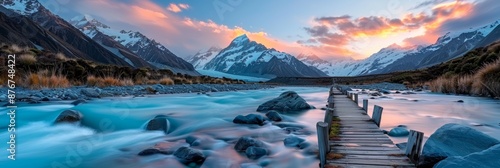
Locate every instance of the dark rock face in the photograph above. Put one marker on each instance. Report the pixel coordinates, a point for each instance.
(246, 142)
(253, 152)
(274, 116)
(454, 140)
(189, 155)
(69, 116)
(249, 119)
(159, 123)
(286, 102)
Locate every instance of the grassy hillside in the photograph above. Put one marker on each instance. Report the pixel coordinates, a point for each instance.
(42, 69)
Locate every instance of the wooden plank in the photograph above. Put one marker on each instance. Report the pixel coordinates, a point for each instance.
(361, 152)
(372, 162)
(367, 148)
(367, 144)
(375, 157)
(359, 166)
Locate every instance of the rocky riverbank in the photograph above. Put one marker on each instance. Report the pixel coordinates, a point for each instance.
(86, 93)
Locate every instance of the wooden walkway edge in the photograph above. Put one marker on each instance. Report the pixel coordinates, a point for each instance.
(359, 142)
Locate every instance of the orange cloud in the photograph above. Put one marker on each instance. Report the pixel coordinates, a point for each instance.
(177, 7)
(337, 34)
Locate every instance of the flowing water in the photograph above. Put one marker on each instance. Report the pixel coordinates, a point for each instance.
(112, 131)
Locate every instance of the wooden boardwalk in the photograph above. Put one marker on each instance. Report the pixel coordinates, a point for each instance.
(360, 143)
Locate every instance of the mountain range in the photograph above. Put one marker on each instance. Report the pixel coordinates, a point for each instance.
(396, 58)
(246, 57)
(28, 23)
(35, 26)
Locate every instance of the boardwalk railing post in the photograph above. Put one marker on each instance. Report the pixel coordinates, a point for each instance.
(414, 145)
(377, 114)
(322, 129)
(356, 98)
(365, 105)
(329, 118)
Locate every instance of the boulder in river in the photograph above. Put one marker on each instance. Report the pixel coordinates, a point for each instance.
(486, 158)
(274, 116)
(189, 155)
(253, 152)
(293, 141)
(454, 140)
(399, 132)
(245, 142)
(149, 151)
(249, 119)
(160, 122)
(286, 102)
(69, 116)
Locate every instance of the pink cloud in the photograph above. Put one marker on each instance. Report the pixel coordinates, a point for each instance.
(183, 36)
(176, 8)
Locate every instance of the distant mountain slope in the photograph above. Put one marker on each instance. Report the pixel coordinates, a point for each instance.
(200, 59)
(135, 42)
(73, 38)
(18, 29)
(245, 57)
(377, 61)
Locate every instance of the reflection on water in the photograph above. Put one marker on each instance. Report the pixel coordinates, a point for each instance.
(112, 134)
(426, 112)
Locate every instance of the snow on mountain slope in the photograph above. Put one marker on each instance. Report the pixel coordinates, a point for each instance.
(246, 57)
(347, 67)
(23, 7)
(200, 59)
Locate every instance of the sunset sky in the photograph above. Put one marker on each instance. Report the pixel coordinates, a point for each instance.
(328, 28)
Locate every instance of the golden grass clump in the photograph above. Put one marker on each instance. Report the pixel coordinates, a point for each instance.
(44, 79)
(26, 59)
(332, 156)
(15, 48)
(108, 81)
(487, 80)
(61, 57)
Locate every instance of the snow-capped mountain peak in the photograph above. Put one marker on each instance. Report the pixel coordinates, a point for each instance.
(23, 7)
(240, 40)
(246, 57)
(87, 21)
